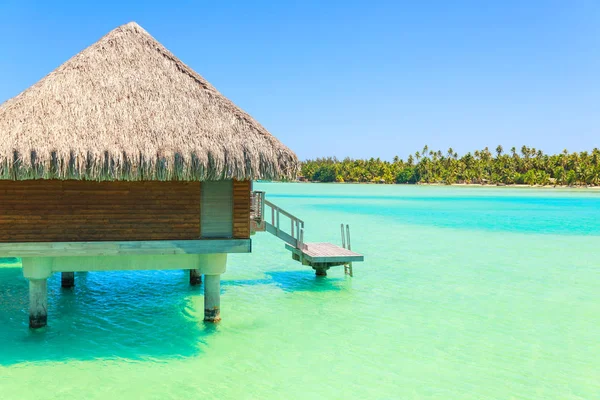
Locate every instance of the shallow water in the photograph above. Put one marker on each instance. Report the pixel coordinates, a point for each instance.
(466, 293)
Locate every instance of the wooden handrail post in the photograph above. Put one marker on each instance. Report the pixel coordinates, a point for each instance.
(262, 205)
(348, 236)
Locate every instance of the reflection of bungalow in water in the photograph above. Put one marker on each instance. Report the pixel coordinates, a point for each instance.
(124, 158)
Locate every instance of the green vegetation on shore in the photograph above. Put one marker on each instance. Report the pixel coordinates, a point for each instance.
(527, 166)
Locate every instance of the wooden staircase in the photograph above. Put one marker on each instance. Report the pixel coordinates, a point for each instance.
(320, 256)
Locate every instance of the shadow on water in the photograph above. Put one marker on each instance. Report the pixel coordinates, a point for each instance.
(292, 281)
(304, 281)
(107, 315)
(113, 315)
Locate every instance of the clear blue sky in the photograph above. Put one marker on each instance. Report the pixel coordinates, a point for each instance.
(356, 78)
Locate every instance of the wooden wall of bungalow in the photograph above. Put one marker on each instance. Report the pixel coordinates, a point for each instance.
(75, 211)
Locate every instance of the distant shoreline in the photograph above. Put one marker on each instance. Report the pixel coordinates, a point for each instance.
(489, 185)
(529, 167)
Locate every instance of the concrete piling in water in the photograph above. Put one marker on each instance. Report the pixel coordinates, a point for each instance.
(212, 298)
(321, 271)
(67, 279)
(195, 277)
(38, 303)
(37, 270)
(213, 265)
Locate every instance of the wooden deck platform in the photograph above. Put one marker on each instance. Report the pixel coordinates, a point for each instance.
(324, 255)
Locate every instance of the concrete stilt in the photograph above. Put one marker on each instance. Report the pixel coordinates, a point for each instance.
(38, 303)
(212, 298)
(67, 279)
(320, 271)
(195, 277)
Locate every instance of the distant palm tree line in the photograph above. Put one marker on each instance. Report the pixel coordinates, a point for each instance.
(527, 166)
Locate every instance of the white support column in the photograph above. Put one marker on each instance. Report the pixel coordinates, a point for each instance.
(37, 270)
(38, 303)
(195, 277)
(67, 279)
(212, 265)
(212, 298)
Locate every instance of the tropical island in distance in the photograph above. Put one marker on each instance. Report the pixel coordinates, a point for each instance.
(529, 166)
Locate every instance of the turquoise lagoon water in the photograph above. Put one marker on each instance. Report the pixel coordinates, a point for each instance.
(466, 293)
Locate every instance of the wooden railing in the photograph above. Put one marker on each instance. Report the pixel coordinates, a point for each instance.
(266, 216)
(278, 226)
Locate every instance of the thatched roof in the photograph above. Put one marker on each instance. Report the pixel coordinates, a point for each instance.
(126, 108)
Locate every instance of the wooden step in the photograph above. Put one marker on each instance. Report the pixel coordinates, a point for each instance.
(324, 253)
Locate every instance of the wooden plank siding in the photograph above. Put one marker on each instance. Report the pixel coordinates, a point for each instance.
(76, 211)
(241, 209)
(80, 211)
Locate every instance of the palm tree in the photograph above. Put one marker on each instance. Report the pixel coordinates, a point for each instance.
(434, 166)
(499, 150)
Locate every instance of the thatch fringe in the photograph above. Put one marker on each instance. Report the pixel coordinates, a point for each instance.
(106, 167)
(127, 109)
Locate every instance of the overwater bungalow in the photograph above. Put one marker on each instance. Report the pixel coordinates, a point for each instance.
(124, 158)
